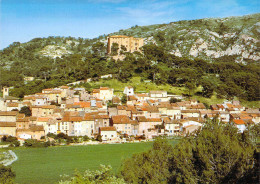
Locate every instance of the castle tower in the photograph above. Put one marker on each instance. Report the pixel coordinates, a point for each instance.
(5, 92)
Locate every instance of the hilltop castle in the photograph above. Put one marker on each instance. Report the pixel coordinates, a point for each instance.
(130, 43)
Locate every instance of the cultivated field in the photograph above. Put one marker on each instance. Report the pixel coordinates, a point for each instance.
(45, 165)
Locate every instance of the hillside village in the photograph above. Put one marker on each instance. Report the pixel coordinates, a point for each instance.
(75, 112)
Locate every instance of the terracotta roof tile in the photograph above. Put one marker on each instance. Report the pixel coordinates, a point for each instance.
(239, 121)
(104, 88)
(26, 119)
(108, 128)
(95, 91)
(120, 119)
(48, 106)
(12, 104)
(154, 119)
(83, 104)
(9, 113)
(7, 124)
(43, 119)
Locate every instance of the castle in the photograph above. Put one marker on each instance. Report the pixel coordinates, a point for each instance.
(130, 43)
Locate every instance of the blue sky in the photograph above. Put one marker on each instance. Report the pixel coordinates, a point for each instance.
(23, 20)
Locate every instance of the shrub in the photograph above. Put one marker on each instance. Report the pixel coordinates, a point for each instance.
(35, 144)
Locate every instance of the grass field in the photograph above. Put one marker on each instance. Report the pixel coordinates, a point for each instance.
(45, 165)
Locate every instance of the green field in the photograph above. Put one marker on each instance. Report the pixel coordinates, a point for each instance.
(45, 165)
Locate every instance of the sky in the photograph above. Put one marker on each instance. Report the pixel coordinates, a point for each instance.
(23, 20)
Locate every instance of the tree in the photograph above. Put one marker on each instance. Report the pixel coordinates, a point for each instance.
(174, 100)
(214, 154)
(208, 88)
(99, 138)
(104, 175)
(190, 86)
(160, 36)
(98, 49)
(7, 175)
(26, 110)
(149, 167)
(124, 99)
(114, 49)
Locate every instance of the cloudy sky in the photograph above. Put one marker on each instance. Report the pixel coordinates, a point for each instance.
(23, 20)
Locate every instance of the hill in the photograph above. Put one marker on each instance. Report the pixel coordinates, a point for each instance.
(220, 56)
(206, 38)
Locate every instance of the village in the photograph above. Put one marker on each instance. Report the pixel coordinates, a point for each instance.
(75, 112)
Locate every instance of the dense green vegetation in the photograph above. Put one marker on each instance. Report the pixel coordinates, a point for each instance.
(45, 165)
(7, 175)
(86, 58)
(228, 79)
(215, 154)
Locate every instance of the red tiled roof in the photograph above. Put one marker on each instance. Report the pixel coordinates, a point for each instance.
(132, 97)
(141, 118)
(26, 119)
(7, 124)
(83, 104)
(104, 88)
(220, 106)
(12, 104)
(101, 117)
(230, 105)
(64, 87)
(48, 106)
(33, 118)
(142, 95)
(95, 91)
(99, 104)
(120, 119)
(43, 119)
(239, 121)
(108, 128)
(21, 115)
(154, 119)
(71, 118)
(116, 100)
(9, 113)
(190, 111)
(121, 107)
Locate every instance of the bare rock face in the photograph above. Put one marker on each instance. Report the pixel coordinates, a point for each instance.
(176, 52)
(54, 51)
(244, 46)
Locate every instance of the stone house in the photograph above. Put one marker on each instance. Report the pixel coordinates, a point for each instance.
(108, 133)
